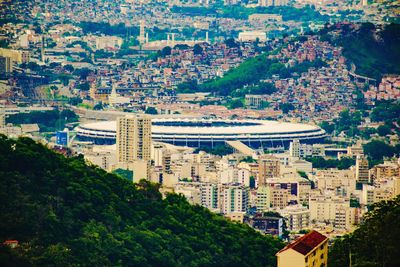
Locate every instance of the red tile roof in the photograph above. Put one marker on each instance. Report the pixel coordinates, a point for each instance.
(306, 243)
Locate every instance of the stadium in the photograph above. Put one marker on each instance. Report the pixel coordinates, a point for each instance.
(211, 132)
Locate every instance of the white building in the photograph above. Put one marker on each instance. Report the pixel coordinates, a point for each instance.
(323, 208)
(234, 198)
(251, 36)
(297, 217)
(104, 42)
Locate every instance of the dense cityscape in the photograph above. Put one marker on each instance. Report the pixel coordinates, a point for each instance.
(199, 132)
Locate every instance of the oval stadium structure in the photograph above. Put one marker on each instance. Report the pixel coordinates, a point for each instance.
(206, 132)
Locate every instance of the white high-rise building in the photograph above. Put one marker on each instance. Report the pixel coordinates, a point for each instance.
(234, 198)
(209, 196)
(263, 201)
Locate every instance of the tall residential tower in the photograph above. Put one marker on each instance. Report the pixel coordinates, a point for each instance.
(133, 138)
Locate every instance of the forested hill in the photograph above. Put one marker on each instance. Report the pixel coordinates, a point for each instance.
(66, 213)
(376, 243)
(374, 51)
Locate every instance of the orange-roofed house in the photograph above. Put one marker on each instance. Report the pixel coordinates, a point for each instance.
(310, 250)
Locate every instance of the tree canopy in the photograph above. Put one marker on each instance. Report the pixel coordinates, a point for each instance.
(375, 243)
(66, 213)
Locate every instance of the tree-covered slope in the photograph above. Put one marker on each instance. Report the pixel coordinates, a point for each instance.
(374, 51)
(376, 243)
(66, 213)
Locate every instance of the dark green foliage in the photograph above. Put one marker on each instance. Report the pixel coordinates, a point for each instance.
(151, 110)
(103, 54)
(75, 101)
(307, 13)
(66, 213)
(235, 103)
(384, 130)
(286, 107)
(84, 86)
(374, 243)
(248, 159)
(250, 72)
(82, 73)
(69, 68)
(328, 127)
(303, 174)
(98, 106)
(166, 51)
(197, 49)
(342, 164)
(348, 122)
(374, 52)
(220, 150)
(376, 150)
(187, 87)
(107, 29)
(367, 132)
(386, 112)
(49, 121)
(259, 89)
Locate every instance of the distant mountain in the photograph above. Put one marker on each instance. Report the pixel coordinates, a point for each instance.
(374, 51)
(63, 212)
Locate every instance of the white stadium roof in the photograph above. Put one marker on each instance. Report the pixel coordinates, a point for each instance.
(261, 127)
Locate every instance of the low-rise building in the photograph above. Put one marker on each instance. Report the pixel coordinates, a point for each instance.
(309, 250)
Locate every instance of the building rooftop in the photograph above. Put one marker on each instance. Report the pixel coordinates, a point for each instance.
(306, 243)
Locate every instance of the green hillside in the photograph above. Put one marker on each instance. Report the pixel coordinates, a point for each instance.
(374, 51)
(66, 213)
(249, 73)
(375, 243)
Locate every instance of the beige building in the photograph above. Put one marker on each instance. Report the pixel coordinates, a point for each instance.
(309, 250)
(268, 167)
(6, 65)
(362, 170)
(263, 198)
(323, 208)
(133, 138)
(297, 217)
(333, 179)
(388, 169)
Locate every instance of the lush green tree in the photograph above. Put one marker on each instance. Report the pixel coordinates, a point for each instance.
(374, 51)
(328, 127)
(286, 107)
(84, 86)
(384, 130)
(151, 110)
(376, 150)
(321, 163)
(386, 112)
(98, 106)
(66, 213)
(235, 103)
(219, 150)
(69, 68)
(374, 243)
(48, 120)
(166, 51)
(197, 49)
(74, 101)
